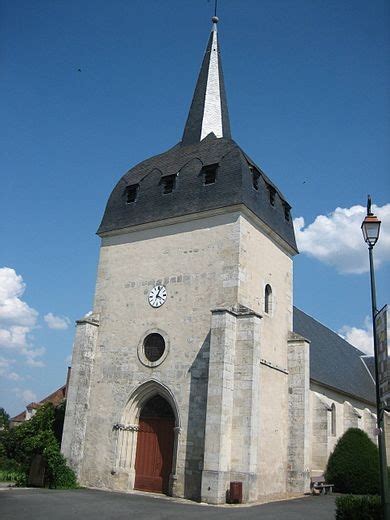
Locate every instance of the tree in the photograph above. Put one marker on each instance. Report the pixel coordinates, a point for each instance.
(353, 467)
(4, 419)
(37, 437)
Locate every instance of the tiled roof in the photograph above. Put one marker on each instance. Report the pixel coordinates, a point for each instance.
(32, 406)
(55, 398)
(21, 417)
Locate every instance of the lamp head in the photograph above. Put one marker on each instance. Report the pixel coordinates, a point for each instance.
(370, 226)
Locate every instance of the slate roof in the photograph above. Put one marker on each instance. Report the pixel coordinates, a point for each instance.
(234, 176)
(369, 361)
(333, 361)
(233, 186)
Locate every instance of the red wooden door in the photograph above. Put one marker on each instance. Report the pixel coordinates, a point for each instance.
(153, 461)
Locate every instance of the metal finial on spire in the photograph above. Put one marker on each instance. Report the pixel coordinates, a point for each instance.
(215, 18)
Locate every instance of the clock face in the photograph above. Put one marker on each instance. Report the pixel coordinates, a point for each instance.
(157, 296)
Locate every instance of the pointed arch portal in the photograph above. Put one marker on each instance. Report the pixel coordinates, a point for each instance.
(154, 454)
(147, 439)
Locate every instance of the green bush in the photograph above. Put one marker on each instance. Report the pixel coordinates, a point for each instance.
(10, 470)
(37, 436)
(59, 475)
(353, 507)
(7, 475)
(353, 467)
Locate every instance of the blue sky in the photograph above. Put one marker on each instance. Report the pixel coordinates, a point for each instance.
(90, 88)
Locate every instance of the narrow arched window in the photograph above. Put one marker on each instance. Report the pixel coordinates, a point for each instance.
(333, 419)
(268, 299)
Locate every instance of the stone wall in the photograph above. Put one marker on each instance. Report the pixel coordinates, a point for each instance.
(218, 262)
(262, 262)
(198, 264)
(299, 414)
(233, 405)
(79, 389)
(349, 413)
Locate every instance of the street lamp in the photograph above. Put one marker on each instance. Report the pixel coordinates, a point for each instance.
(370, 229)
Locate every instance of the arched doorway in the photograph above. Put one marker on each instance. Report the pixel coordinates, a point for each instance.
(155, 440)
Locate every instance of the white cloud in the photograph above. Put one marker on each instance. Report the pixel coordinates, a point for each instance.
(336, 239)
(13, 376)
(14, 336)
(28, 396)
(31, 355)
(11, 284)
(56, 322)
(359, 338)
(12, 308)
(5, 363)
(17, 318)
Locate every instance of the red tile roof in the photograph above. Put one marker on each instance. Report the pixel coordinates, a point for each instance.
(55, 398)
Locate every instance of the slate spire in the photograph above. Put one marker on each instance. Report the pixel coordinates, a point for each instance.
(208, 112)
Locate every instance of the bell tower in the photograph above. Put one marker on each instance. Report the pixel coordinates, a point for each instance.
(184, 357)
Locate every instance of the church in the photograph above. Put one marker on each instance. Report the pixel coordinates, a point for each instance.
(194, 369)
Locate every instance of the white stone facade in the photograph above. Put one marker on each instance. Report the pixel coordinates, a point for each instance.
(331, 414)
(236, 377)
(225, 362)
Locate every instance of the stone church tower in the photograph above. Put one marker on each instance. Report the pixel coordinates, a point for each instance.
(180, 376)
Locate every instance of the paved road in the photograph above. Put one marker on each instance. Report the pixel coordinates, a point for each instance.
(86, 504)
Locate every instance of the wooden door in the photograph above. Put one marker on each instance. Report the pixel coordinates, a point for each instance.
(153, 461)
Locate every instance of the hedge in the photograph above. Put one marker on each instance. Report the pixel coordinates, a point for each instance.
(353, 467)
(354, 507)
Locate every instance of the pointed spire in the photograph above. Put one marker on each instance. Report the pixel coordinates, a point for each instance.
(208, 112)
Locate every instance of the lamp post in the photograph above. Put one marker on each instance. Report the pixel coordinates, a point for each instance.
(370, 228)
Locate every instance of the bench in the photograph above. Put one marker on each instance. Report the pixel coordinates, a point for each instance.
(318, 486)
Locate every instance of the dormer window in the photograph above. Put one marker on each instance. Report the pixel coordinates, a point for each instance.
(131, 193)
(168, 182)
(287, 208)
(272, 193)
(210, 173)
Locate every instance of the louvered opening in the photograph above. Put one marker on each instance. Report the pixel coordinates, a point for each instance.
(131, 193)
(168, 183)
(272, 194)
(209, 173)
(287, 208)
